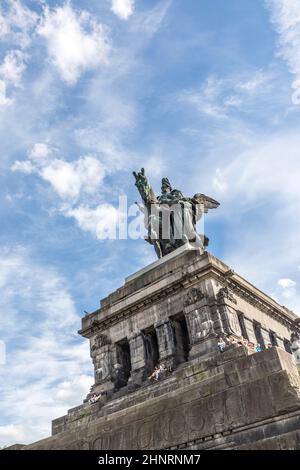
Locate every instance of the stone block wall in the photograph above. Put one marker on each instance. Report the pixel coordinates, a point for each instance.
(237, 401)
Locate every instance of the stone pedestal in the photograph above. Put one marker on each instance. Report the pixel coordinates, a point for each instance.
(208, 399)
(230, 401)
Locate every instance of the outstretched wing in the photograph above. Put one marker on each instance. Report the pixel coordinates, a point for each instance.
(206, 201)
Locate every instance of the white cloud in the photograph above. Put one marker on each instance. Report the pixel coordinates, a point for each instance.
(288, 289)
(219, 182)
(101, 221)
(12, 433)
(13, 66)
(68, 179)
(123, 8)
(286, 283)
(4, 27)
(39, 153)
(76, 42)
(72, 181)
(69, 390)
(155, 166)
(258, 81)
(11, 71)
(4, 100)
(47, 365)
(23, 166)
(17, 23)
(285, 15)
(207, 101)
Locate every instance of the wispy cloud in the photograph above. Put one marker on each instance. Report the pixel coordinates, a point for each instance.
(285, 16)
(4, 100)
(11, 71)
(206, 101)
(150, 21)
(260, 201)
(17, 23)
(12, 67)
(217, 98)
(46, 371)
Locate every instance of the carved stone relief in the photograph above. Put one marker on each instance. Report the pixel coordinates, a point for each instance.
(193, 295)
(233, 321)
(295, 347)
(99, 341)
(102, 366)
(200, 323)
(226, 294)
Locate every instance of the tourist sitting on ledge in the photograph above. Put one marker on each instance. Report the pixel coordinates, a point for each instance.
(94, 398)
(221, 344)
(231, 340)
(158, 372)
(242, 341)
(258, 348)
(154, 374)
(162, 369)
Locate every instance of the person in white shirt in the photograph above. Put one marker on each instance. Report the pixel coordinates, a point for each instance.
(221, 344)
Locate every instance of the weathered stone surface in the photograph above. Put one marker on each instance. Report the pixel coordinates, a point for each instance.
(202, 410)
(174, 313)
(15, 447)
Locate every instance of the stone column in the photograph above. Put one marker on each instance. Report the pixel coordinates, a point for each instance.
(250, 330)
(137, 355)
(166, 343)
(280, 342)
(266, 337)
(200, 324)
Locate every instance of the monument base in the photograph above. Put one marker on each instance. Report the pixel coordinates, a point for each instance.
(173, 313)
(230, 401)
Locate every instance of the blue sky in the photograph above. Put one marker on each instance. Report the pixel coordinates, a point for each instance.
(205, 92)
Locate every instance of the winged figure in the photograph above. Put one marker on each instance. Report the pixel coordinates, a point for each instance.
(171, 218)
